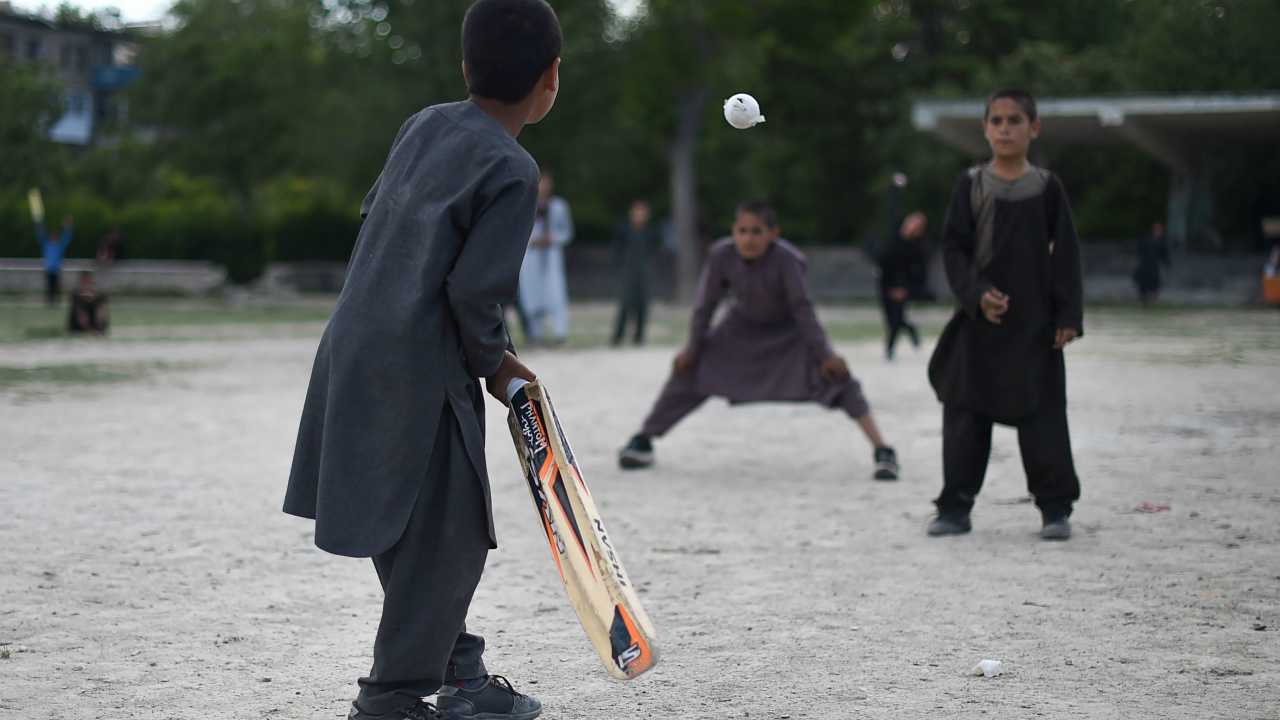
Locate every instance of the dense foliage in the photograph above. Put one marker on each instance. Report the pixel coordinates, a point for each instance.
(266, 120)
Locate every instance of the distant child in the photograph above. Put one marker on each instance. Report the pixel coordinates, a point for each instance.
(902, 273)
(769, 347)
(1153, 252)
(635, 242)
(390, 454)
(53, 251)
(89, 309)
(1013, 262)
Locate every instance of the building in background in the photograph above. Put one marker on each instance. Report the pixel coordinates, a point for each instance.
(92, 64)
(1172, 129)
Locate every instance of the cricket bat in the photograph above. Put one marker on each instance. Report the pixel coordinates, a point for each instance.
(599, 589)
(37, 205)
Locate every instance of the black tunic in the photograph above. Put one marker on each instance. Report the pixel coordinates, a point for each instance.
(1008, 371)
(633, 252)
(1152, 253)
(902, 265)
(418, 321)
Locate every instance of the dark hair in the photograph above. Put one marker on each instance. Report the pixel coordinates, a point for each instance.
(761, 209)
(1022, 97)
(507, 45)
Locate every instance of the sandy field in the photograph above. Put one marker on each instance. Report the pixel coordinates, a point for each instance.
(146, 570)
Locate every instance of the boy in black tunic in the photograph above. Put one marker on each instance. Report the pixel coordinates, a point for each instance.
(390, 452)
(1013, 262)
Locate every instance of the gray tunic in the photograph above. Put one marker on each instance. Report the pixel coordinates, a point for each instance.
(769, 345)
(418, 321)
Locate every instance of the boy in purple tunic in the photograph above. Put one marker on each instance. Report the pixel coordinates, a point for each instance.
(768, 348)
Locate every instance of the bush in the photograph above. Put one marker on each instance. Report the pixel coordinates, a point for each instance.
(308, 219)
(92, 218)
(190, 218)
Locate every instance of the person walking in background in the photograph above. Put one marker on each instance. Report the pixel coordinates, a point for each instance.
(544, 294)
(634, 243)
(1153, 252)
(902, 270)
(53, 251)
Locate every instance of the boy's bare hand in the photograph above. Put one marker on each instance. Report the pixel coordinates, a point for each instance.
(898, 294)
(1063, 337)
(994, 305)
(834, 368)
(683, 362)
(510, 369)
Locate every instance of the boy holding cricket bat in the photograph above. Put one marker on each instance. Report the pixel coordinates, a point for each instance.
(1013, 262)
(53, 251)
(769, 347)
(390, 453)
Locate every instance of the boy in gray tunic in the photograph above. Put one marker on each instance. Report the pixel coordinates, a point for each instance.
(390, 453)
(769, 347)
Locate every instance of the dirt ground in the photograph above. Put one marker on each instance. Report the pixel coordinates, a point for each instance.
(146, 570)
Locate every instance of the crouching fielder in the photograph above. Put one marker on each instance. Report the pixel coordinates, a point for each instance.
(769, 347)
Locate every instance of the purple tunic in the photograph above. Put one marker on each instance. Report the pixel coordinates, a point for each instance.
(769, 345)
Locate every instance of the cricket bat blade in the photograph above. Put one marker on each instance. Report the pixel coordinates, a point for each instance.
(598, 586)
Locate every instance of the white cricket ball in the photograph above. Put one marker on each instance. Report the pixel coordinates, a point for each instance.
(742, 111)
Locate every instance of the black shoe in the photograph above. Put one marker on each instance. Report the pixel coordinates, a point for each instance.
(637, 454)
(495, 700)
(419, 710)
(949, 524)
(1058, 528)
(886, 464)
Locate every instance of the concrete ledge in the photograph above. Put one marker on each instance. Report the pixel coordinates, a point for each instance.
(303, 277)
(144, 277)
(846, 274)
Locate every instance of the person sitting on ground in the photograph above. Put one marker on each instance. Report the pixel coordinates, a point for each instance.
(89, 312)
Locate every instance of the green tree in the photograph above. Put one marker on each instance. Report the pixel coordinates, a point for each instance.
(230, 87)
(31, 102)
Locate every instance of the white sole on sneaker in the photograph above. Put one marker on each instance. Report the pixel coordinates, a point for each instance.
(635, 459)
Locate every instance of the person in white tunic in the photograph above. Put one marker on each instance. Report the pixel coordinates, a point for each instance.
(544, 294)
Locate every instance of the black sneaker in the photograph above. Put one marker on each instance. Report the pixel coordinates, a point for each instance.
(419, 710)
(1058, 528)
(637, 454)
(949, 524)
(495, 700)
(886, 464)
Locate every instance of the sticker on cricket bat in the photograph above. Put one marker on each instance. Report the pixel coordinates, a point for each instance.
(598, 587)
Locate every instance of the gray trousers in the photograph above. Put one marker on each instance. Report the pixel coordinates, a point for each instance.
(681, 396)
(428, 578)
